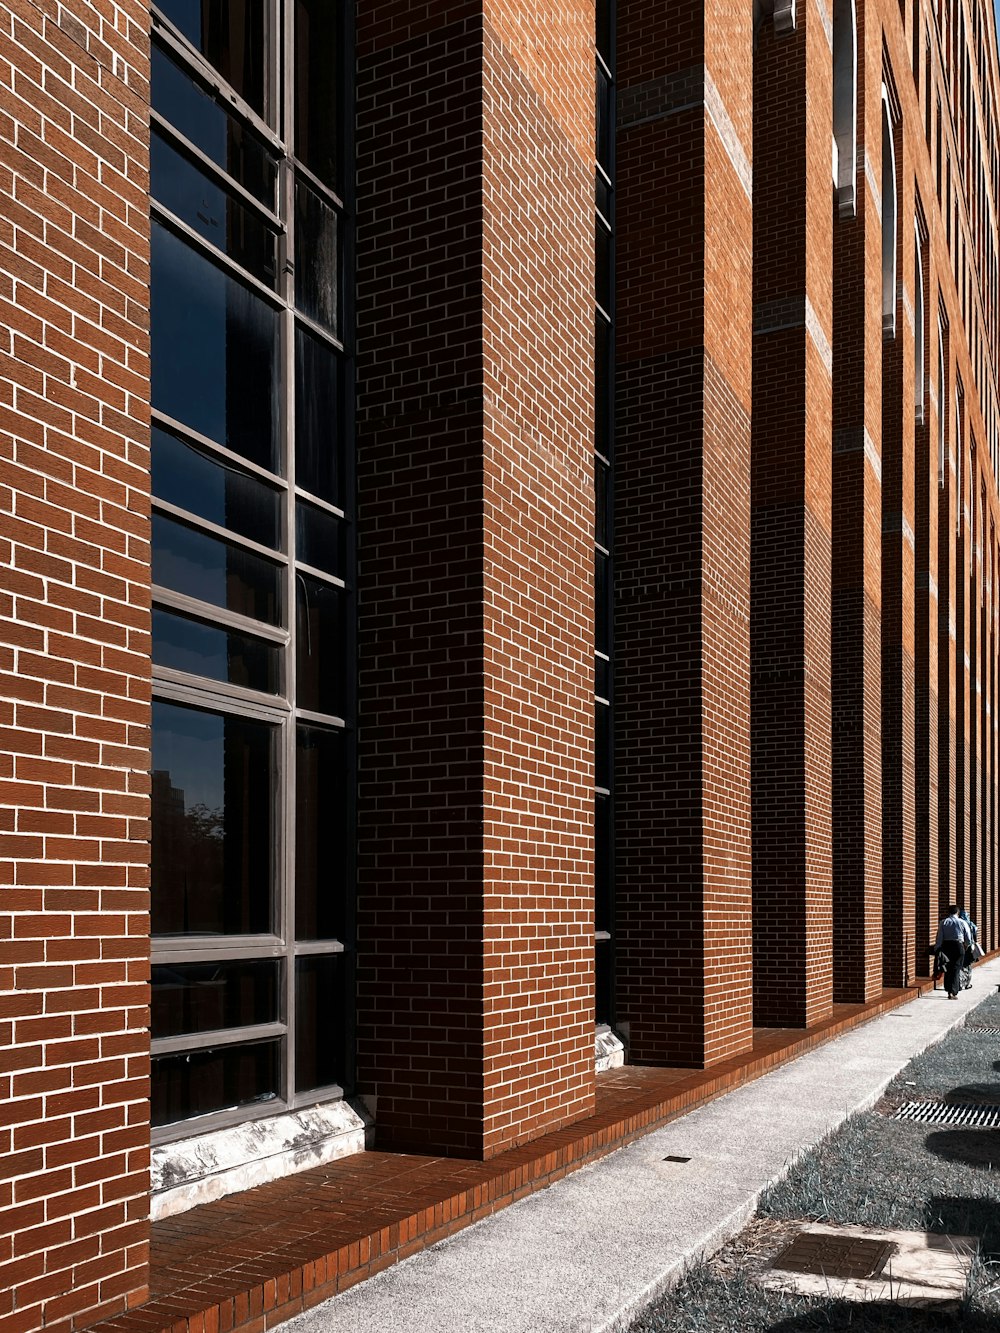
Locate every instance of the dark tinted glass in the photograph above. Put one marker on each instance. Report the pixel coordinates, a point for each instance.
(317, 417)
(317, 88)
(602, 265)
(603, 33)
(198, 1082)
(604, 118)
(602, 748)
(190, 479)
(216, 653)
(213, 800)
(602, 677)
(320, 1022)
(219, 134)
(320, 647)
(603, 886)
(194, 196)
(601, 503)
(319, 539)
(320, 835)
(602, 195)
(214, 351)
(602, 607)
(317, 264)
(603, 386)
(604, 959)
(204, 997)
(214, 571)
(230, 35)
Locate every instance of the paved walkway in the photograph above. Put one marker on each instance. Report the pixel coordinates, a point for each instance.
(595, 1248)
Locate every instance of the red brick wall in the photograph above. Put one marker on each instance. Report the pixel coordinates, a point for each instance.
(682, 532)
(791, 494)
(74, 652)
(475, 919)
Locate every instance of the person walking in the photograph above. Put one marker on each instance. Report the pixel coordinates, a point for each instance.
(953, 938)
(970, 953)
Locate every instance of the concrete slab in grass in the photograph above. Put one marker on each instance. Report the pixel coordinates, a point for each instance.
(922, 1269)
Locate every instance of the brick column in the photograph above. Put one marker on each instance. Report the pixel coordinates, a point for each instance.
(898, 555)
(682, 479)
(857, 511)
(947, 679)
(791, 523)
(963, 558)
(926, 601)
(475, 276)
(74, 664)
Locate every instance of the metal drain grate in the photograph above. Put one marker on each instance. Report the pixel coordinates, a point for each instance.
(942, 1113)
(835, 1256)
(981, 1027)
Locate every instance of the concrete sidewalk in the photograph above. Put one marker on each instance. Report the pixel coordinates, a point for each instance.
(590, 1252)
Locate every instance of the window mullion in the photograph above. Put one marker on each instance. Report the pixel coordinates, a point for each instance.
(286, 89)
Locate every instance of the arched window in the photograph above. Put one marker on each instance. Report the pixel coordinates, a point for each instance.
(888, 220)
(919, 389)
(942, 406)
(845, 105)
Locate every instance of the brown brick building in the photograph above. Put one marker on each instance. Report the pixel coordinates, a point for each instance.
(437, 618)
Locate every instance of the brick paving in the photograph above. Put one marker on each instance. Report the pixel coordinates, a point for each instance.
(249, 1261)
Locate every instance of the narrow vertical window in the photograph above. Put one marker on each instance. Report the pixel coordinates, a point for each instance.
(919, 388)
(942, 410)
(604, 410)
(888, 220)
(253, 560)
(845, 104)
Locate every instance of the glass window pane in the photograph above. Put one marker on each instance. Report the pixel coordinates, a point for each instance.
(320, 648)
(602, 677)
(317, 265)
(603, 387)
(211, 489)
(320, 835)
(602, 604)
(214, 797)
(604, 118)
(602, 760)
(198, 199)
(317, 88)
(319, 539)
(215, 571)
(205, 997)
(602, 195)
(198, 1082)
(230, 35)
(317, 417)
(320, 1022)
(216, 653)
(604, 27)
(221, 136)
(214, 351)
(602, 265)
(601, 503)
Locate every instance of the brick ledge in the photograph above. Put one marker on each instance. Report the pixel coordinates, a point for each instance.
(250, 1261)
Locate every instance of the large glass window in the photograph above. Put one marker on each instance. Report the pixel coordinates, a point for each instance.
(253, 560)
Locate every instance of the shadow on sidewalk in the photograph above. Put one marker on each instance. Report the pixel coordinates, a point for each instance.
(882, 1317)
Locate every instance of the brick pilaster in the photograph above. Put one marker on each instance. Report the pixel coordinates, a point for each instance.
(475, 407)
(857, 509)
(682, 530)
(791, 523)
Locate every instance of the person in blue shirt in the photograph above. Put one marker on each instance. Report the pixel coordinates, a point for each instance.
(953, 938)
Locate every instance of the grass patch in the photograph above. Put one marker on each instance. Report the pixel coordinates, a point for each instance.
(872, 1171)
